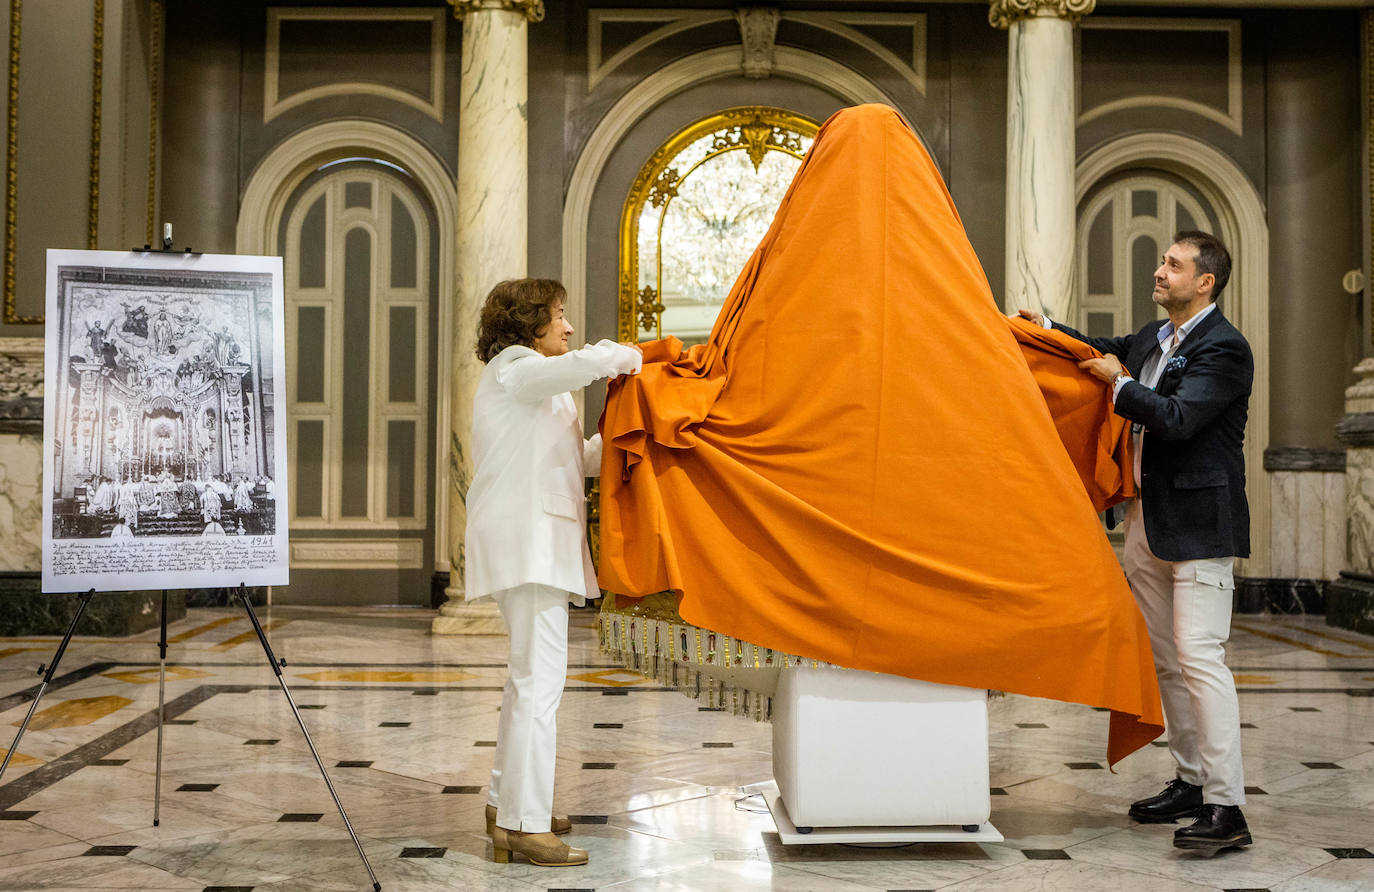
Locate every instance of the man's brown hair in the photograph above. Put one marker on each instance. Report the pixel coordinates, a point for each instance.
(516, 312)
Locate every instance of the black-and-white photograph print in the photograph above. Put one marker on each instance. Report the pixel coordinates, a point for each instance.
(160, 417)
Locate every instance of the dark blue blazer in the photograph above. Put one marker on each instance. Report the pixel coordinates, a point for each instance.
(1192, 471)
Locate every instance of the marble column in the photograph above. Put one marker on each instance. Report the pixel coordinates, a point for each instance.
(1040, 151)
(493, 236)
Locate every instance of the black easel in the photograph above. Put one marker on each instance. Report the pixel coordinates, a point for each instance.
(162, 663)
(276, 664)
(276, 668)
(47, 678)
(166, 245)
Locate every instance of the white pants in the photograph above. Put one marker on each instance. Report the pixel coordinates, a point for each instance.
(1187, 608)
(527, 739)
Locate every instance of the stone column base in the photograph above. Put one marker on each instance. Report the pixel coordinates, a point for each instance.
(459, 617)
(1350, 603)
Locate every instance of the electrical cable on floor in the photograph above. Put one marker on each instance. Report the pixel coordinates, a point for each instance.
(740, 806)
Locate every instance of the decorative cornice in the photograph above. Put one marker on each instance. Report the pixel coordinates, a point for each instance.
(758, 27)
(1304, 458)
(533, 9)
(1002, 13)
(1356, 430)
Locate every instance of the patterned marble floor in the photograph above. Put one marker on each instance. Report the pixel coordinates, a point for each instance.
(659, 788)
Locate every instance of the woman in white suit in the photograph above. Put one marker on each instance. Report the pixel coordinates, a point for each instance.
(526, 542)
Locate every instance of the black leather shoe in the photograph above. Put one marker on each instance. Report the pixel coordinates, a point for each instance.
(1180, 799)
(1218, 827)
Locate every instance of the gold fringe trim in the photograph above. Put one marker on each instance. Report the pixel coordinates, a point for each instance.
(683, 656)
(718, 671)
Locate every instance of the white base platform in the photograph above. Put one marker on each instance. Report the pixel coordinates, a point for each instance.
(790, 836)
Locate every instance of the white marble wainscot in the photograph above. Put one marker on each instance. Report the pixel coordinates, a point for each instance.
(1040, 151)
(1307, 532)
(1359, 506)
(21, 453)
(493, 235)
(21, 501)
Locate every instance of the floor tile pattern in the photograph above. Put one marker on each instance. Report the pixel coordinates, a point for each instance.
(661, 791)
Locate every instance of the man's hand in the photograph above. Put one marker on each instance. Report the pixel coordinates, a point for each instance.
(1033, 316)
(1104, 367)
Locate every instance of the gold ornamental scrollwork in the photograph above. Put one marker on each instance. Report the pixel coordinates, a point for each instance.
(664, 188)
(1002, 13)
(755, 130)
(648, 308)
(532, 9)
(12, 169)
(97, 97)
(155, 37)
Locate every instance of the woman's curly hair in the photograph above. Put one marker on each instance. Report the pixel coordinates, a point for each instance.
(516, 312)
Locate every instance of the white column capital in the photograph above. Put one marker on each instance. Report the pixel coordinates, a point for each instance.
(531, 9)
(1002, 13)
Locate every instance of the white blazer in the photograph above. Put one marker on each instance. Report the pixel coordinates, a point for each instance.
(527, 514)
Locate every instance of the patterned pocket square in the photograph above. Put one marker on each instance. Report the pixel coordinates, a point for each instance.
(1177, 362)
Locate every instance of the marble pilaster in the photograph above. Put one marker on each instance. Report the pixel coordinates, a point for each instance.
(1350, 598)
(1040, 151)
(493, 233)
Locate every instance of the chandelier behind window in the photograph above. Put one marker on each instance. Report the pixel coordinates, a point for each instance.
(695, 213)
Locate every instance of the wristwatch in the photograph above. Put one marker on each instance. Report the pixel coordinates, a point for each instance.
(1117, 377)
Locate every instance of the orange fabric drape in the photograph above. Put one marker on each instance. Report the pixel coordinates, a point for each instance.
(1097, 439)
(858, 465)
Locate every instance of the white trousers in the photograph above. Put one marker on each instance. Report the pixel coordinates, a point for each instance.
(1187, 608)
(527, 738)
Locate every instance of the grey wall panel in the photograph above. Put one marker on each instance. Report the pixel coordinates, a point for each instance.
(929, 112)
(549, 84)
(317, 53)
(977, 171)
(52, 198)
(260, 137)
(201, 124)
(1314, 196)
(1246, 149)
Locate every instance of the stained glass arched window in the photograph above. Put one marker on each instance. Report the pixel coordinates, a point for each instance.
(696, 212)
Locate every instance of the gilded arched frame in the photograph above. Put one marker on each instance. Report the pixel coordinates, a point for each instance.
(755, 130)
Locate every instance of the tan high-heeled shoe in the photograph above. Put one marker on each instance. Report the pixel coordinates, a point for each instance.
(542, 849)
(559, 825)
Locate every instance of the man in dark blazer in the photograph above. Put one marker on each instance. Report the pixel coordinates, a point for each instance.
(1185, 383)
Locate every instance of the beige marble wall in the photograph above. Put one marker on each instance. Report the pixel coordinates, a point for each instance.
(21, 453)
(1307, 523)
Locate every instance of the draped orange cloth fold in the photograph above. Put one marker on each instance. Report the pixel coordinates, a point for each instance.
(858, 466)
(1097, 439)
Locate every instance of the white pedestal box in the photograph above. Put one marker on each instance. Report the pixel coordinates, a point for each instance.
(883, 757)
